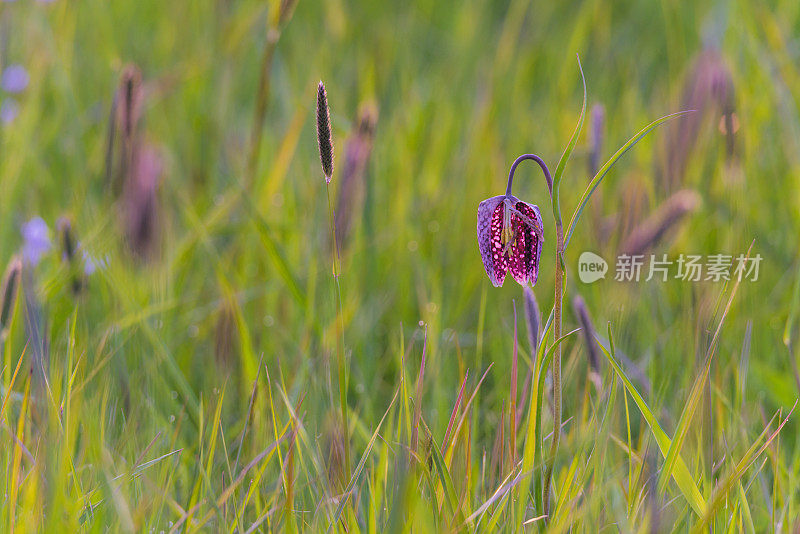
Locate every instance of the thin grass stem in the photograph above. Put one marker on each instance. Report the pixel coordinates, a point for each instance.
(340, 354)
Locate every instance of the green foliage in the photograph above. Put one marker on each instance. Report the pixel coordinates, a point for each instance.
(196, 387)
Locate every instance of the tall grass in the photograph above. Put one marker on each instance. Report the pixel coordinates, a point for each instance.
(198, 390)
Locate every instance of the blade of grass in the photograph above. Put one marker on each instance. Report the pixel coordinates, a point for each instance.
(680, 473)
(499, 493)
(275, 253)
(694, 398)
(266, 454)
(629, 451)
(17, 458)
(512, 413)
(724, 487)
(562, 162)
(445, 441)
(607, 167)
(360, 467)
(446, 480)
(533, 434)
(569, 482)
(204, 470)
(249, 414)
(257, 478)
(449, 450)
(418, 396)
(10, 387)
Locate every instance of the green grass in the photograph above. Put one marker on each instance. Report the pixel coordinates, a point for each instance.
(198, 390)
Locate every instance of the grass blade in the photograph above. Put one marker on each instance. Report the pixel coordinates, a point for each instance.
(680, 473)
(721, 492)
(446, 480)
(449, 450)
(694, 398)
(360, 467)
(607, 167)
(460, 398)
(418, 397)
(562, 162)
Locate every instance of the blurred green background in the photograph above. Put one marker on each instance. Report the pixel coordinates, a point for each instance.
(238, 268)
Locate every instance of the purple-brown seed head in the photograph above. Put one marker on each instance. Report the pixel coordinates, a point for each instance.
(324, 133)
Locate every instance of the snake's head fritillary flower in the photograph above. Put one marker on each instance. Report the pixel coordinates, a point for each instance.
(510, 233)
(510, 239)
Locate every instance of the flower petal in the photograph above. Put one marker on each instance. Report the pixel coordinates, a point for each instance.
(490, 226)
(525, 252)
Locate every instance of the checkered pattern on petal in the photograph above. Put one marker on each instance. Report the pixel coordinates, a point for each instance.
(490, 228)
(521, 256)
(525, 251)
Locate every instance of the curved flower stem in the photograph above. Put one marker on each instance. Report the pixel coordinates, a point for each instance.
(541, 163)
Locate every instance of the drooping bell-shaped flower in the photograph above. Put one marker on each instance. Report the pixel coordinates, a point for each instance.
(510, 235)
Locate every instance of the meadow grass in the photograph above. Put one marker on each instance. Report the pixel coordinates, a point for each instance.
(191, 381)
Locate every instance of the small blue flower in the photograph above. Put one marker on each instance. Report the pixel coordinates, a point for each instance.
(15, 79)
(36, 240)
(90, 263)
(89, 266)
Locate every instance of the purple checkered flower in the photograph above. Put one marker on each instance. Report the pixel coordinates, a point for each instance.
(510, 234)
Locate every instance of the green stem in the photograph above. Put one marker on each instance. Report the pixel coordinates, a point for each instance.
(340, 355)
(559, 290)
